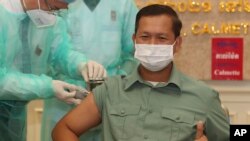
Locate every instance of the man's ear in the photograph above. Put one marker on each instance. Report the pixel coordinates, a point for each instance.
(133, 38)
(177, 45)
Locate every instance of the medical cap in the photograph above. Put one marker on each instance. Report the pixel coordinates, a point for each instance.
(67, 1)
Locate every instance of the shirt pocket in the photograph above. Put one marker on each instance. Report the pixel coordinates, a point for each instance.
(179, 126)
(123, 119)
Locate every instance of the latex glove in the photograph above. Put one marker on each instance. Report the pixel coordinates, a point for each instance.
(92, 71)
(200, 132)
(81, 93)
(65, 92)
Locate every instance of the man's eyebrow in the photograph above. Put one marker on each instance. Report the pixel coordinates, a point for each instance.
(144, 32)
(162, 34)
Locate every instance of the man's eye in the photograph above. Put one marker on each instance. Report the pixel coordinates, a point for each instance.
(163, 38)
(144, 37)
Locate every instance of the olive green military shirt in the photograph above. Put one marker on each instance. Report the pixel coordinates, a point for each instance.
(135, 110)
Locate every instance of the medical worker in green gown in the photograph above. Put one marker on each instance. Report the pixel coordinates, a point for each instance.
(32, 41)
(102, 30)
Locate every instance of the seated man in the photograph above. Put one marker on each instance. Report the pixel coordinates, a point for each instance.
(156, 102)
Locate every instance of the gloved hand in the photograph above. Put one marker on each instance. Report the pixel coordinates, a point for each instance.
(81, 93)
(92, 71)
(65, 92)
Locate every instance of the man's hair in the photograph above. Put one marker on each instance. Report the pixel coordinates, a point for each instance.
(156, 10)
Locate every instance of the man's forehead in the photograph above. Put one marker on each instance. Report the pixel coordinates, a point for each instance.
(161, 16)
(157, 21)
(155, 25)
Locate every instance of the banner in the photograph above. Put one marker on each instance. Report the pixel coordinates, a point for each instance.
(227, 59)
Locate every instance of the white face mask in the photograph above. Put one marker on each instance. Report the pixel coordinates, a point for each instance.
(40, 17)
(154, 57)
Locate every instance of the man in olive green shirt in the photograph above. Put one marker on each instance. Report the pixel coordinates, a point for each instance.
(156, 102)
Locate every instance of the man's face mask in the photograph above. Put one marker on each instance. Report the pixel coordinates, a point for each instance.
(41, 18)
(154, 57)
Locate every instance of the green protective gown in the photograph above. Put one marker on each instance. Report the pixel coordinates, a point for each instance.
(104, 34)
(26, 56)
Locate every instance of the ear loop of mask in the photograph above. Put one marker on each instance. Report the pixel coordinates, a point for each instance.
(174, 43)
(39, 6)
(38, 2)
(24, 5)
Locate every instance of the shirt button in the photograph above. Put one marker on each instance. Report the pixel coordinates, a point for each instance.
(150, 111)
(178, 118)
(122, 111)
(145, 137)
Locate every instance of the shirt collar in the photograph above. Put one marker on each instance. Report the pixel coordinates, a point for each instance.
(175, 79)
(132, 78)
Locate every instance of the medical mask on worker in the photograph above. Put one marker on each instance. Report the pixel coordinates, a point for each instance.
(40, 17)
(154, 57)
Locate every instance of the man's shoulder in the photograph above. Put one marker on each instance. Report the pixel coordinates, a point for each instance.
(197, 85)
(114, 79)
(114, 82)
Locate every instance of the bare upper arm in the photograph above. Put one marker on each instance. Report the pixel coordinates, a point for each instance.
(85, 116)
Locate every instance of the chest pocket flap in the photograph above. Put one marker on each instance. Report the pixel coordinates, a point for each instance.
(125, 110)
(177, 117)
